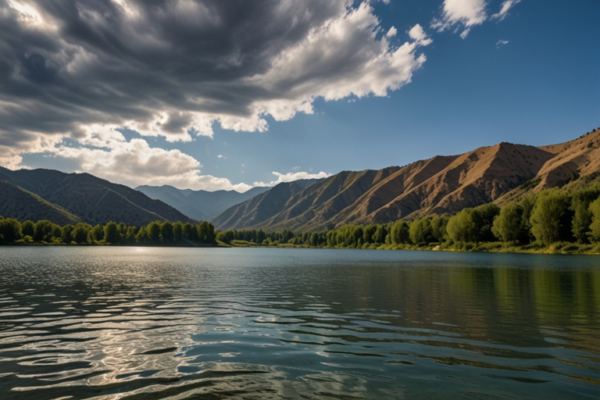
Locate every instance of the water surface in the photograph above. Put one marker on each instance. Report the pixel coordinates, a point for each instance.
(138, 323)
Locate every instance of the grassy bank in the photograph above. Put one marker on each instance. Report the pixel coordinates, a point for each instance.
(488, 247)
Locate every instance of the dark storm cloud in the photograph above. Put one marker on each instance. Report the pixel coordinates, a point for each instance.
(166, 67)
(167, 54)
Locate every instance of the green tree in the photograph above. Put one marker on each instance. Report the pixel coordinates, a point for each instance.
(96, 234)
(28, 228)
(80, 233)
(508, 225)
(400, 233)
(177, 232)
(111, 233)
(166, 232)
(582, 216)
(153, 232)
(438, 228)
(42, 229)
(420, 231)
(595, 225)
(547, 219)
(380, 234)
(10, 230)
(483, 217)
(141, 237)
(67, 234)
(462, 228)
(368, 233)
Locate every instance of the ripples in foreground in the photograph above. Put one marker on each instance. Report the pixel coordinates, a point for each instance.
(150, 323)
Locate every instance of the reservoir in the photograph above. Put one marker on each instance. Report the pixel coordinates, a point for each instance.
(259, 323)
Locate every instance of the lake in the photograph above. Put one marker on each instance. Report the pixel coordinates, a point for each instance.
(150, 323)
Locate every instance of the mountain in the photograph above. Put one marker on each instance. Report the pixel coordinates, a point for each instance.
(60, 197)
(200, 204)
(442, 184)
(261, 207)
(22, 205)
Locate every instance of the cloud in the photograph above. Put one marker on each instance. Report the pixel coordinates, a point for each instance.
(108, 154)
(173, 68)
(419, 36)
(504, 8)
(292, 176)
(501, 43)
(465, 14)
(392, 32)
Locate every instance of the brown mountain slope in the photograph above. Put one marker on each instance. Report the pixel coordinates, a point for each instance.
(435, 186)
(94, 200)
(18, 203)
(575, 163)
(260, 208)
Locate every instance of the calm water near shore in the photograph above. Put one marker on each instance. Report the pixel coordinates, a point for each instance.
(137, 323)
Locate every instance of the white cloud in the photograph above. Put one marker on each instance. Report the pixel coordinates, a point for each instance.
(292, 176)
(465, 13)
(220, 156)
(340, 59)
(419, 36)
(392, 32)
(501, 43)
(504, 8)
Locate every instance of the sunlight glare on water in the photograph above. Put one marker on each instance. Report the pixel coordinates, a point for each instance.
(134, 323)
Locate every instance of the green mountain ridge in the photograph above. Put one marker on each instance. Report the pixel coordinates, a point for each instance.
(83, 197)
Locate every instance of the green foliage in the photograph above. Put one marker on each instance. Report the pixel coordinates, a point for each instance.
(400, 233)
(10, 230)
(154, 233)
(508, 225)
(166, 232)
(28, 228)
(67, 234)
(420, 231)
(111, 233)
(582, 216)
(438, 228)
(594, 209)
(80, 233)
(461, 227)
(547, 219)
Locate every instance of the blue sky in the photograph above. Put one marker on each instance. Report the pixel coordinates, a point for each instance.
(527, 76)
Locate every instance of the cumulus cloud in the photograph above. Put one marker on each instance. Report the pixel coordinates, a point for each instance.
(465, 14)
(504, 8)
(173, 68)
(292, 176)
(111, 156)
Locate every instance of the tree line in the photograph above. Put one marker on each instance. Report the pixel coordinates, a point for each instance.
(154, 234)
(541, 219)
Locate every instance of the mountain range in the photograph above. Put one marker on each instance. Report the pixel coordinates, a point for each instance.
(70, 198)
(199, 204)
(442, 184)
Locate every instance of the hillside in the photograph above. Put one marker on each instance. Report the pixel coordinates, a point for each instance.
(442, 184)
(18, 203)
(261, 207)
(88, 198)
(199, 204)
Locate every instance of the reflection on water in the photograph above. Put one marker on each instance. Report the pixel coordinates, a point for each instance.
(130, 323)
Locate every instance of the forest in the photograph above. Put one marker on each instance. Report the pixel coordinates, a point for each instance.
(154, 234)
(550, 221)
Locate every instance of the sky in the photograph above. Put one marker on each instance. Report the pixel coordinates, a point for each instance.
(211, 94)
